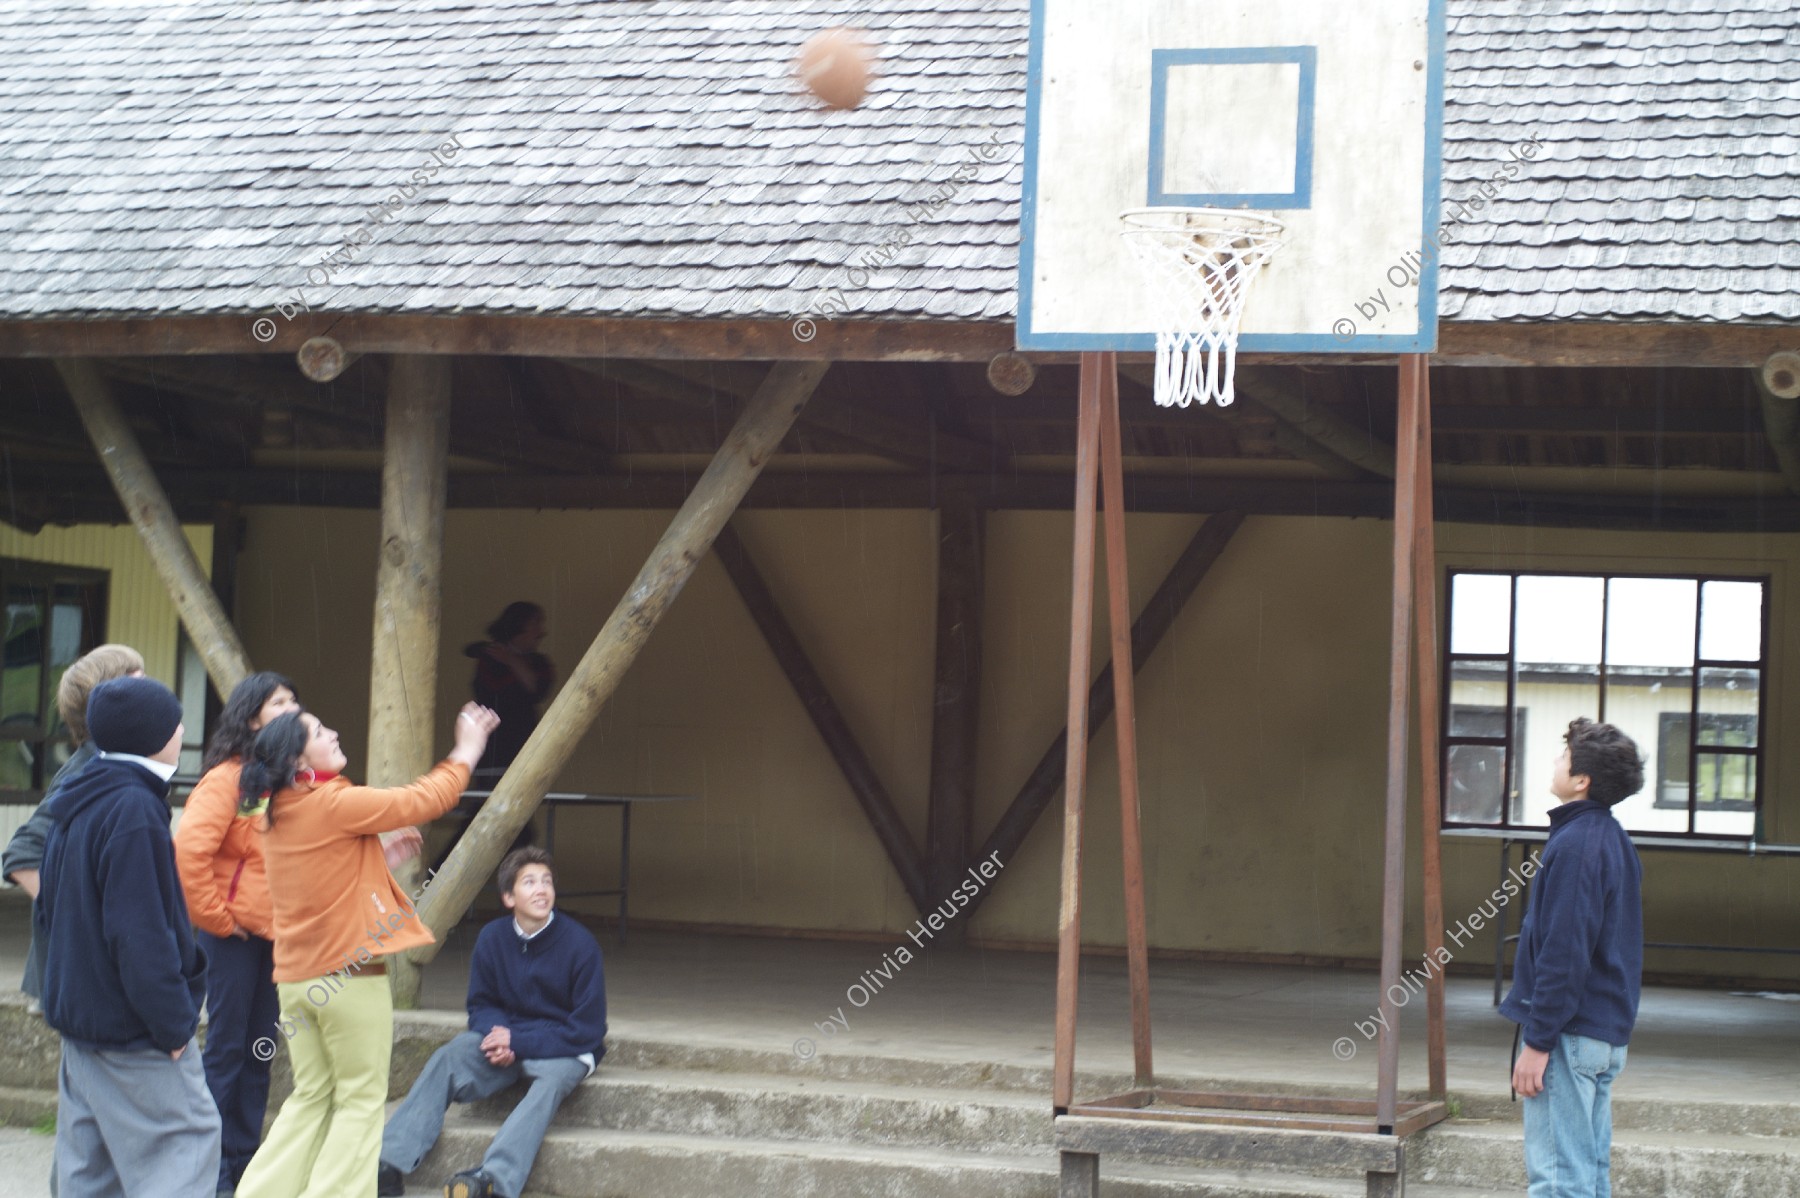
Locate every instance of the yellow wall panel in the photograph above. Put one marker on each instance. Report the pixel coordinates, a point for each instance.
(1262, 718)
(139, 612)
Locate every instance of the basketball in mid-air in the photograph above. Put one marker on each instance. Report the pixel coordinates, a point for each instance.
(835, 66)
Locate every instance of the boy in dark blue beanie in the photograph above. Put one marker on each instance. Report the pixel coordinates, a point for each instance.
(123, 979)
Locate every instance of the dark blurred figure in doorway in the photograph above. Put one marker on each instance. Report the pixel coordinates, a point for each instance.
(512, 678)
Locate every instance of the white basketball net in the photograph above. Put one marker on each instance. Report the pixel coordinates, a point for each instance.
(1200, 263)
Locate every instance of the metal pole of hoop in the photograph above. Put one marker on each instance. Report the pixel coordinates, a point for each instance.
(1081, 636)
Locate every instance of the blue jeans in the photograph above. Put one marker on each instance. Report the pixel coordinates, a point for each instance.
(241, 1007)
(459, 1072)
(1568, 1127)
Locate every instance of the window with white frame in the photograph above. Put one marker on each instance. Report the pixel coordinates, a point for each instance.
(1677, 662)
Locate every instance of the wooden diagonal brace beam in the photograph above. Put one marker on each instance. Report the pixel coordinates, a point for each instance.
(1317, 423)
(149, 510)
(753, 440)
(825, 714)
(1146, 633)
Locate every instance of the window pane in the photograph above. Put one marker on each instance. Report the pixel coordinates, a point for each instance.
(1728, 702)
(1727, 794)
(1651, 705)
(1558, 639)
(1477, 698)
(1559, 619)
(21, 677)
(190, 685)
(1650, 622)
(1731, 621)
(67, 637)
(1480, 613)
(1474, 782)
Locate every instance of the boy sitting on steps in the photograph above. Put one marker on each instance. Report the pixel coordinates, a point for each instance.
(537, 1010)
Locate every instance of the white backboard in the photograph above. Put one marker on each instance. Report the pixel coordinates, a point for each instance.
(1326, 114)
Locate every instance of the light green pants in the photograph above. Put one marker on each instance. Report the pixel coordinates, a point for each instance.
(326, 1143)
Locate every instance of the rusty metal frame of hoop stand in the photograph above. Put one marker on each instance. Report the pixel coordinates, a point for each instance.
(1099, 469)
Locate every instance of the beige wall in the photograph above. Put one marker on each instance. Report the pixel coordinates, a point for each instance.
(1262, 718)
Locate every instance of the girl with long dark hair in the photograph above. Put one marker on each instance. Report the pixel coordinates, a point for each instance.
(218, 853)
(338, 914)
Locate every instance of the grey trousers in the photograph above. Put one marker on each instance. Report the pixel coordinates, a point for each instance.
(134, 1125)
(458, 1072)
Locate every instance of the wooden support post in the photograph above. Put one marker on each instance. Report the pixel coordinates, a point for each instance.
(1081, 637)
(1430, 762)
(956, 695)
(1156, 619)
(755, 437)
(1393, 877)
(147, 506)
(825, 714)
(409, 596)
(1131, 837)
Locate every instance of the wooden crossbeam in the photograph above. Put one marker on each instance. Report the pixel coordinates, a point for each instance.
(476, 433)
(74, 494)
(1551, 343)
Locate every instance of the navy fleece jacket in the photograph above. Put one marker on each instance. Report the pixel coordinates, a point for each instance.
(1581, 949)
(122, 970)
(549, 991)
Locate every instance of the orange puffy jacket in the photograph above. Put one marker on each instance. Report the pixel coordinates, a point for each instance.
(219, 855)
(336, 903)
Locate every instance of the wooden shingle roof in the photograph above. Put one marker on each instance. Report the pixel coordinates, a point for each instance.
(653, 158)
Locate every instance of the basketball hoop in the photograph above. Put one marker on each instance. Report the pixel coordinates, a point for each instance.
(1200, 263)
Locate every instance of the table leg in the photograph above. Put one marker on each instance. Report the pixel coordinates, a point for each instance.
(1500, 932)
(624, 867)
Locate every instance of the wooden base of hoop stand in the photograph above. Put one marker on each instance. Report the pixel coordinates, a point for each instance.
(1219, 1127)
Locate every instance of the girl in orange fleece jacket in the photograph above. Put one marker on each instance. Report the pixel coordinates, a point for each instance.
(337, 913)
(218, 853)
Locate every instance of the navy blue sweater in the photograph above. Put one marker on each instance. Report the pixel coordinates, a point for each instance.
(549, 991)
(1581, 950)
(121, 969)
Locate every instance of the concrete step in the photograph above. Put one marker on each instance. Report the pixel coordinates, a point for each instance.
(585, 1163)
(1713, 1164)
(1465, 1152)
(761, 1107)
(1659, 1115)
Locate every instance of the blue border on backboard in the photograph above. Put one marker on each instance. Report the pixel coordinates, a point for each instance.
(1304, 57)
(1422, 340)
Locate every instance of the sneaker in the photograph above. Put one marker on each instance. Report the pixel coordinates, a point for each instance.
(470, 1183)
(390, 1182)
